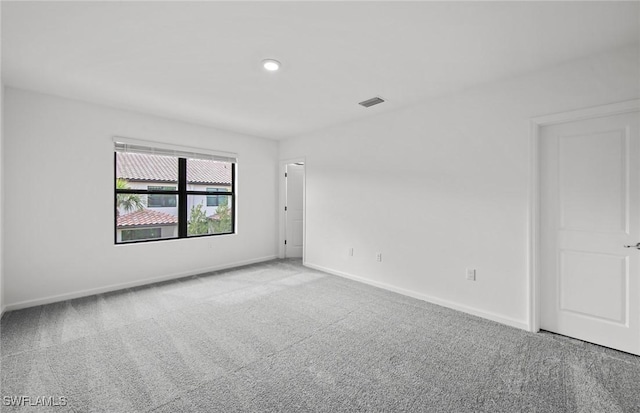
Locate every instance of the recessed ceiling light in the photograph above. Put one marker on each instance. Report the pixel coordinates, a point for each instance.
(271, 64)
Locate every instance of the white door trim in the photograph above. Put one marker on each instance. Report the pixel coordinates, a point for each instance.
(281, 216)
(533, 254)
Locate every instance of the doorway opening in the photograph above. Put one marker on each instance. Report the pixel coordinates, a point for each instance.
(293, 229)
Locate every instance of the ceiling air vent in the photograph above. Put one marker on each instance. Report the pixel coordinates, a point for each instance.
(370, 102)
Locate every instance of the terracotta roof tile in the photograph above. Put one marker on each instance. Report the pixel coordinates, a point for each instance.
(146, 217)
(143, 167)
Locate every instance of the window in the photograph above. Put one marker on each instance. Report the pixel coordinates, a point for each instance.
(214, 200)
(161, 201)
(138, 234)
(165, 192)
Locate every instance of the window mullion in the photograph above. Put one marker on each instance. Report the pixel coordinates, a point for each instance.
(182, 197)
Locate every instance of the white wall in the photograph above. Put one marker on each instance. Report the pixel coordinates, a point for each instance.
(58, 158)
(2, 300)
(455, 172)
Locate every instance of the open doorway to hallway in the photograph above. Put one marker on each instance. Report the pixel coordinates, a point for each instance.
(294, 210)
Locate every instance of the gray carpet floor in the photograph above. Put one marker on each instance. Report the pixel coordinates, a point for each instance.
(283, 338)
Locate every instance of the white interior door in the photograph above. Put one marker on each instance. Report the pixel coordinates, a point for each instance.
(294, 219)
(589, 210)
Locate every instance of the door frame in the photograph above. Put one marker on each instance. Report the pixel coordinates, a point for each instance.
(283, 200)
(533, 247)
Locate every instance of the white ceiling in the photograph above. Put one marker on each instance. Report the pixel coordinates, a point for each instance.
(200, 61)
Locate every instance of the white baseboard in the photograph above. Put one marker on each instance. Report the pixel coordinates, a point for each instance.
(116, 287)
(424, 297)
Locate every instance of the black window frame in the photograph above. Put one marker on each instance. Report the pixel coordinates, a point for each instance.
(182, 196)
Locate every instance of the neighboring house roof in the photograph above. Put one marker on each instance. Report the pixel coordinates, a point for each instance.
(154, 168)
(146, 217)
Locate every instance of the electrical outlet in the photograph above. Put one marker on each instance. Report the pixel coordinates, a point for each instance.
(379, 257)
(351, 252)
(471, 274)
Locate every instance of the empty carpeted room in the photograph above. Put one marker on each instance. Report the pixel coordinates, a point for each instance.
(320, 206)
